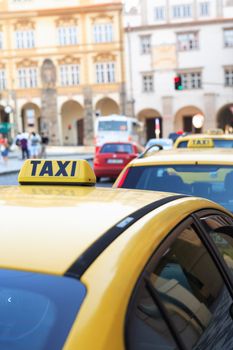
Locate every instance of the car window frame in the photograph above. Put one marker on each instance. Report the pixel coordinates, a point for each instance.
(149, 266)
(212, 248)
(191, 220)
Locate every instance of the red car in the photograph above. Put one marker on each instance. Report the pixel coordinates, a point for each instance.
(113, 157)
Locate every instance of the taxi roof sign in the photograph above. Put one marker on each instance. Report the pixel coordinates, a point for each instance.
(56, 172)
(200, 143)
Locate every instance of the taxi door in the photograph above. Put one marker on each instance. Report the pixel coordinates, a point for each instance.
(183, 299)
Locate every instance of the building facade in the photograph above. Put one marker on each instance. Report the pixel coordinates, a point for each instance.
(61, 64)
(190, 39)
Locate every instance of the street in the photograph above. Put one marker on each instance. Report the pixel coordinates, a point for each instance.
(9, 179)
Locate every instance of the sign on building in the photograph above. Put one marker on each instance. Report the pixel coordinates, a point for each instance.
(164, 57)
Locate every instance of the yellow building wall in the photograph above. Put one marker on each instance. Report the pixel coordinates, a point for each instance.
(43, 16)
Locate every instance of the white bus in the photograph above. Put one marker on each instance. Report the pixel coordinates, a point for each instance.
(117, 128)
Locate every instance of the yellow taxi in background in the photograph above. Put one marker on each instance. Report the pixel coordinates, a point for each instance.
(202, 172)
(98, 269)
(205, 140)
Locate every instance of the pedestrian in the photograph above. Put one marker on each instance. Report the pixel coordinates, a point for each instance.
(44, 143)
(4, 147)
(24, 145)
(17, 143)
(35, 141)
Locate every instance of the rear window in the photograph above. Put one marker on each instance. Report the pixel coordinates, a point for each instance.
(36, 310)
(217, 143)
(113, 125)
(213, 182)
(116, 148)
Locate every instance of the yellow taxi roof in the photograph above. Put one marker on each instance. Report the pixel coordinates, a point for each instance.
(46, 228)
(204, 136)
(188, 156)
(207, 135)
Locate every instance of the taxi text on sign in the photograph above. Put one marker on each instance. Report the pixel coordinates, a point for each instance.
(57, 171)
(195, 143)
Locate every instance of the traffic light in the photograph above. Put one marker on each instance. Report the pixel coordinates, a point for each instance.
(178, 83)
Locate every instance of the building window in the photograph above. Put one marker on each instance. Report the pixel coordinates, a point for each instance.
(27, 77)
(103, 33)
(187, 41)
(2, 79)
(105, 72)
(145, 42)
(182, 11)
(204, 9)
(67, 35)
(191, 80)
(228, 37)
(159, 13)
(228, 75)
(70, 74)
(25, 39)
(148, 83)
(1, 40)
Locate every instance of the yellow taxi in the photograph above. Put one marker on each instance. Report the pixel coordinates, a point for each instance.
(205, 140)
(104, 269)
(202, 172)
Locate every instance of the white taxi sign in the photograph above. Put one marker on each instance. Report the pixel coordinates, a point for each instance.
(200, 143)
(67, 172)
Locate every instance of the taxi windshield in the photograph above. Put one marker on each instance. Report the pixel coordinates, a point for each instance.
(33, 311)
(217, 143)
(213, 182)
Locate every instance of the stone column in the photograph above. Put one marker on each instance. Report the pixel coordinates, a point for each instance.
(168, 118)
(144, 14)
(123, 100)
(210, 111)
(88, 117)
(219, 8)
(49, 122)
(168, 11)
(195, 10)
(49, 113)
(60, 129)
(130, 111)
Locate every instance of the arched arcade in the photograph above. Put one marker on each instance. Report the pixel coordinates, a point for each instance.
(72, 114)
(31, 118)
(152, 119)
(183, 119)
(106, 106)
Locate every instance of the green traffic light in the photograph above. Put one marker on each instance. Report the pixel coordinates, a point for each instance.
(180, 87)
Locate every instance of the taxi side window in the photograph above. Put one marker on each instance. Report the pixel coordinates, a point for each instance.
(191, 295)
(219, 227)
(182, 144)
